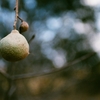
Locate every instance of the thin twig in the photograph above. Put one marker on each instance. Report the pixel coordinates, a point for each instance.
(31, 75)
(3, 73)
(16, 14)
(11, 89)
(31, 39)
(20, 19)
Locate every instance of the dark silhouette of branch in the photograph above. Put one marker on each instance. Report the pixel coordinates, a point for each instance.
(20, 19)
(31, 39)
(31, 75)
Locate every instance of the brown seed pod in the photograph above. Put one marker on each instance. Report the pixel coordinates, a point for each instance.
(23, 27)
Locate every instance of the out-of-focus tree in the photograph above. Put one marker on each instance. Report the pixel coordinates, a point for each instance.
(64, 53)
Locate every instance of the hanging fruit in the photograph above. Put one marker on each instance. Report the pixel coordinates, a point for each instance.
(23, 27)
(14, 46)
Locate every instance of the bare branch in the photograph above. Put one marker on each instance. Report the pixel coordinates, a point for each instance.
(31, 39)
(16, 11)
(3, 73)
(20, 19)
(31, 75)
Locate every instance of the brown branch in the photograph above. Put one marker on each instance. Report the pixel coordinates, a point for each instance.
(16, 14)
(31, 75)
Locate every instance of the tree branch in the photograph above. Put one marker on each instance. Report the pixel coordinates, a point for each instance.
(3, 73)
(33, 36)
(31, 75)
(20, 19)
(16, 14)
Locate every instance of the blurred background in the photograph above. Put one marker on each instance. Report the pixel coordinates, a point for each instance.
(64, 60)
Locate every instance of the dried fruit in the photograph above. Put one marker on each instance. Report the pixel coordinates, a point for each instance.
(23, 27)
(14, 46)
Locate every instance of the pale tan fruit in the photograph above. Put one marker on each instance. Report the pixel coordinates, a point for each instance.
(23, 27)
(14, 46)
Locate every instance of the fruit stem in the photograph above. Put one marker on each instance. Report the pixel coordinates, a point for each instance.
(16, 14)
(20, 19)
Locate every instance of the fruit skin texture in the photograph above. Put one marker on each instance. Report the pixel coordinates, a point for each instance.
(14, 46)
(23, 27)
